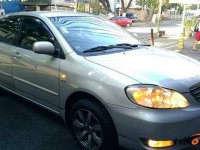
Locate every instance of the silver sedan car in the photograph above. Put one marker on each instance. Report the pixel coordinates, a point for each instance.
(112, 89)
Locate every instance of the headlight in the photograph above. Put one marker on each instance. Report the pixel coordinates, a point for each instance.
(156, 97)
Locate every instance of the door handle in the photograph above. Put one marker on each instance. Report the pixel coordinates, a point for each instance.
(17, 55)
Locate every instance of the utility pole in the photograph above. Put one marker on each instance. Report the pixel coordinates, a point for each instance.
(142, 4)
(120, 7)
(183, 18)
(181, 40)
(159, 15)
(75, 5)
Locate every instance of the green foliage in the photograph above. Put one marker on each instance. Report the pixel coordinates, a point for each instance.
(95, 7)
(191, 7)
(180, 8)
(81, 7)
(149, 3)
(189, 23)
(153, 4)
(169, 6)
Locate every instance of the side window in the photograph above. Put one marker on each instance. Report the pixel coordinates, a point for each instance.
(32, 30)
(8, 28)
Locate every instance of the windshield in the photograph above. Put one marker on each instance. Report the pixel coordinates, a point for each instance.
(84, 33)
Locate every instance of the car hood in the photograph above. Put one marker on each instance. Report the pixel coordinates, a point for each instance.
(151, 65)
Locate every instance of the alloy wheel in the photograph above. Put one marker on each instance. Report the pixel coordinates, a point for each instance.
(87, 129)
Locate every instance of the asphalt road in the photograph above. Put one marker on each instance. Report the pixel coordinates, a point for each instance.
(25, 126)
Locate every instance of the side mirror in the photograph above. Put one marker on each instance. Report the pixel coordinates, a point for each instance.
(44, 47)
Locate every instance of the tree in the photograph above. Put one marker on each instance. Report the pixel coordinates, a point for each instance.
(106, 5)
(152, 6)
(124, 9)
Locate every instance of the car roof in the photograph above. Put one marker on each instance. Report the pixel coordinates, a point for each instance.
(49, 13)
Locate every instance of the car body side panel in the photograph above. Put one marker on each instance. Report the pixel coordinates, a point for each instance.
(37, 76)
(93, 81)
(6, 79)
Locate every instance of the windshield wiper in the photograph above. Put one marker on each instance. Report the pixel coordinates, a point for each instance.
(103, 48)
(96, 49)
(131, 45)
(122, 45)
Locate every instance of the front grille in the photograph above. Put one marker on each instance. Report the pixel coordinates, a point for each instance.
(195, 91)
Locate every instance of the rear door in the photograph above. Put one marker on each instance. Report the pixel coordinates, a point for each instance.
(36, 76)
(8, 29)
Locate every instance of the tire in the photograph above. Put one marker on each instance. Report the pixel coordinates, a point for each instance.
(92, 126)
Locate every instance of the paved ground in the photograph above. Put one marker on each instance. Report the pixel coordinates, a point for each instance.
(172, 28)
(172, 44)
(25, 126)
(170, 41)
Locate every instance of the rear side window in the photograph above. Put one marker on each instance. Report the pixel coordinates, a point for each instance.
(8, 28)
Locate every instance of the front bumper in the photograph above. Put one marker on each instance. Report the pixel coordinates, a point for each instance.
(142, 123)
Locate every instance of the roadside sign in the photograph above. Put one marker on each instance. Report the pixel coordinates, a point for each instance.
(185, 1)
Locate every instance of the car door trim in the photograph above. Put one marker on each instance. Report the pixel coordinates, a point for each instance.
(36, 86)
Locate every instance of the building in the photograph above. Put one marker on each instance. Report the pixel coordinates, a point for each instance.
(39, 5)
(10, 6)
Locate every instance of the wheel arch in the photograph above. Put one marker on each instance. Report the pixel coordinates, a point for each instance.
(79, 95)
(75, 97)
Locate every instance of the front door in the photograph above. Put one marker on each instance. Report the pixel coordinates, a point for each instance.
(36, 76)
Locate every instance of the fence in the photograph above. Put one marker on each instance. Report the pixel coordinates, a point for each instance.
(172, 14)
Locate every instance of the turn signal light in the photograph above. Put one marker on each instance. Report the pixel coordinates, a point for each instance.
(160, 144)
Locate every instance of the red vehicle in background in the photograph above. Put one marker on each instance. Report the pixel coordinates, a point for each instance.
(122, 21)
